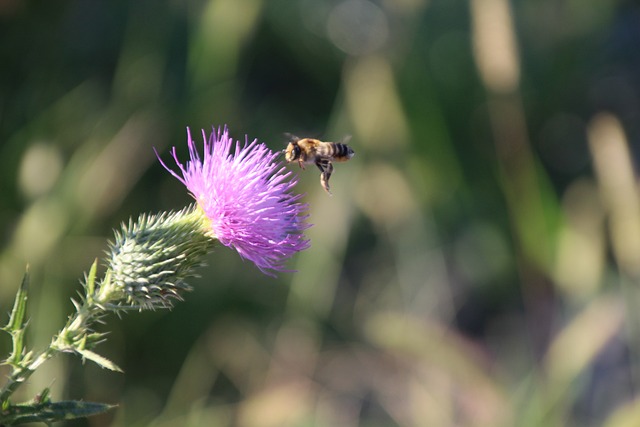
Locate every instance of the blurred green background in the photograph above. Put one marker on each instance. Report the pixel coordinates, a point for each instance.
(477, 265)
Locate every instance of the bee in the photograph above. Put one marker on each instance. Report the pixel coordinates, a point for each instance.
(323, 154)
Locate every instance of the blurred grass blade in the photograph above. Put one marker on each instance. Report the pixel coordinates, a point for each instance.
(580, 341)
(50, 412)
(17, 324)
(626, 415)
(102, 361)
(455, 360)
(575, 348)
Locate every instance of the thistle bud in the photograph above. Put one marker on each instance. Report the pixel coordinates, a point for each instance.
(150, 260)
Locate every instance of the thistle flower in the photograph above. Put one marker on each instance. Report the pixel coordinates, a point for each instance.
(243, 199)
(245, 194)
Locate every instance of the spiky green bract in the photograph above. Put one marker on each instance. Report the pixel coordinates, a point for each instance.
(43, 410)
(24, 363)
(150, 260)
(17, 325)
(20, 358)
(78, 335)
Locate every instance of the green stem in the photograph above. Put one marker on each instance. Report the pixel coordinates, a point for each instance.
(77, 325)
(21, 373)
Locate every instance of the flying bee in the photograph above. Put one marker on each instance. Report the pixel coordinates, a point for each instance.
(323, 154)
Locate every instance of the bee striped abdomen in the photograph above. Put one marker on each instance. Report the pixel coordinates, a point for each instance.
(338, 151)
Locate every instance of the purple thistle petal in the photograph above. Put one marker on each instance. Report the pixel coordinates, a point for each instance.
(246, 194)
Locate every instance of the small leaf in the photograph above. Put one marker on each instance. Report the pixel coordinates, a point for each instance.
(49, 412)
(17, 324)
(91, 279)
(16, 321)
(43, 397)
(94, 338)
(99, 360)
(82, 343)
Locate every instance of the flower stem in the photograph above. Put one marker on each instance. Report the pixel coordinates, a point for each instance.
(77, 325)
(21, 373)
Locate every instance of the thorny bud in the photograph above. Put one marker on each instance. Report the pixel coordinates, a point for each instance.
(150, 259)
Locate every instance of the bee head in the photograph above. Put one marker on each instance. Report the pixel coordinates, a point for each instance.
(292, 152)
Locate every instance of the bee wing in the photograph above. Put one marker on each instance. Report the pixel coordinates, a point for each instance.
(345, 139)
(291, 137)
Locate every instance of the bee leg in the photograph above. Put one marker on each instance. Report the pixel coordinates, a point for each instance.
(326, 168)
(324, 181)
(301, 164)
